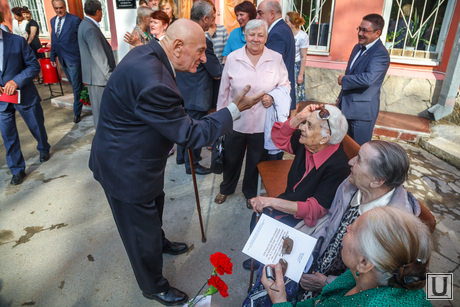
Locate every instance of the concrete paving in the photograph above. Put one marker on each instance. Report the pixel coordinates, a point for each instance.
(59, 245)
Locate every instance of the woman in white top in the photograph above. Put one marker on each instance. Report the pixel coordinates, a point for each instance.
(19, 23)
(294, 21)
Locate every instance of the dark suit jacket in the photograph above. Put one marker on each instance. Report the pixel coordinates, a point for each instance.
(141, 118)
(196, 89)
(281, 40)
(66, 45)
(21, 66)
(360, 95)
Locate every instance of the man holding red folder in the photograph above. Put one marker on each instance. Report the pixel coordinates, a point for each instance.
(18, 68)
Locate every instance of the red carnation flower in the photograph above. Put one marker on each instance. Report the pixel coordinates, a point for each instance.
(221, 263)
(219, 284)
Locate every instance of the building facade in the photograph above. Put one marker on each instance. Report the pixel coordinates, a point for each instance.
(419, 35)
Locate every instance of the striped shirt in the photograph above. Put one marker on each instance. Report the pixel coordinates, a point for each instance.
(219, 39)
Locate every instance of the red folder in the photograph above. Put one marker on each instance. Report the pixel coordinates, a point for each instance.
(15, 98)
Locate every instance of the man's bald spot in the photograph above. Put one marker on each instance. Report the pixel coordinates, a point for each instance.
(273, 5)
(186, 31)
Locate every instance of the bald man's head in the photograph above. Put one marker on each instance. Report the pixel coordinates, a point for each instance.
(185, 45)
(269, 10)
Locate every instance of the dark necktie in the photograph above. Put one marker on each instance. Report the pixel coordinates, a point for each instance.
(58, 31)
(363, 49)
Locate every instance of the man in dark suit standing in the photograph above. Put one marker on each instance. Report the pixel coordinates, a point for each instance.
(64, 45)
(18, 68)
(141, 118)
(359, 98)
(196, 89)
(280, 38)
(97, 55)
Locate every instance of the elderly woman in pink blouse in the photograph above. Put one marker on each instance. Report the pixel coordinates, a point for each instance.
(264, 69)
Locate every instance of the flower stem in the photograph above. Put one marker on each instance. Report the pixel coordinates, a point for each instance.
(191, 303)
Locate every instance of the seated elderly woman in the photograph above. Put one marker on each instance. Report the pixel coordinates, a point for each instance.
(264, 69)
(386, 251)
(320, 165)
(376, 179)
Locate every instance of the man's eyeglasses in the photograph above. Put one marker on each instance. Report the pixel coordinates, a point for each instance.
(324, 114)
(364, 30)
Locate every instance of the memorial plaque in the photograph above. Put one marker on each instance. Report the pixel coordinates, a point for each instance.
(126, 4)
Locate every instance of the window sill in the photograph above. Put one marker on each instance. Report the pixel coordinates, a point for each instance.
(413, 61)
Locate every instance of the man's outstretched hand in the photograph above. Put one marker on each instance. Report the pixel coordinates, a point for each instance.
(244, 102)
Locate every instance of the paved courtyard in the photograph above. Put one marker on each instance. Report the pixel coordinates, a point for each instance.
(59, 245)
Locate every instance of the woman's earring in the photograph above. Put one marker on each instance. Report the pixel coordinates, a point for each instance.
(357, 273)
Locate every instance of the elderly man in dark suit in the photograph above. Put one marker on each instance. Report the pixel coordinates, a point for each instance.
(196, 89)
(359, 98)
(96, 54)
(64, 45)
(18, 68)
(141, 118)
(280, 38)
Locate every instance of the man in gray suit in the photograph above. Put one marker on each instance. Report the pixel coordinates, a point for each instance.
(96, 55)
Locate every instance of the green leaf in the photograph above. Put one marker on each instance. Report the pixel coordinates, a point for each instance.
(211, 290)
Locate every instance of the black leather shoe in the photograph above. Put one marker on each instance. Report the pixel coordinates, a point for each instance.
(18, 178)
(247, 264)
(44, 156)
(76, 119)
(199, 170)
(179, 162)
(172, 297)
(175, 248)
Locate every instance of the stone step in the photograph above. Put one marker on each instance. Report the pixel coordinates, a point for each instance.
(409, 128)
(66, 102)
(444, 143)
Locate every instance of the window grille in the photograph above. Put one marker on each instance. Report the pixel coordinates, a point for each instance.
(416, 29)
(318, 15)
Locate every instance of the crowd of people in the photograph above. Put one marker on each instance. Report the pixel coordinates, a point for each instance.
(178, 85)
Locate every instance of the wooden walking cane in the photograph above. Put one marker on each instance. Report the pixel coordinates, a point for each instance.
(251, 277)
(197, 196)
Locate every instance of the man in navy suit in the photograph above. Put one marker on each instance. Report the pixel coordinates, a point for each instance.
(280, 38)
(359, 98)
(64, 45)
(196, 89)
(18, 68)
(141, 117)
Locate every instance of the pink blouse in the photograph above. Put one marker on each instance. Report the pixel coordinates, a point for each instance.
(269, 73)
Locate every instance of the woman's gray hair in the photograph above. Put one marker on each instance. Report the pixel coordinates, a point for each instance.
(393, 239)
(256, 24)
(338, 123)
(142, 12)
(391, 163)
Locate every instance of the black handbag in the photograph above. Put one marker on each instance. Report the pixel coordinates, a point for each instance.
(217, 156)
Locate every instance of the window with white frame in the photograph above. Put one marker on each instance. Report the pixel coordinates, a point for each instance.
(37, 10)
(105, 23)
(318, 15)
(416, 30)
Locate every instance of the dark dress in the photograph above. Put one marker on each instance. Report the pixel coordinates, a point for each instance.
(35, 44)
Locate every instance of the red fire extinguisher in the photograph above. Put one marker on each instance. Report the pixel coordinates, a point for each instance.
(49, 72)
